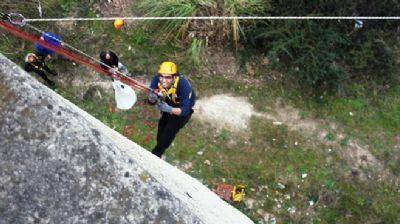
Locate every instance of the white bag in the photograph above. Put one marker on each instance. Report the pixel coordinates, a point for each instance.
(124, 95)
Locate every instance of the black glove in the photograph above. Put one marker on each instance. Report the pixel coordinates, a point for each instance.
(152, 97)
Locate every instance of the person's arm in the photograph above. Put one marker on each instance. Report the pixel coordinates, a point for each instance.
(184, 92)
(123, 69)
(152, 97)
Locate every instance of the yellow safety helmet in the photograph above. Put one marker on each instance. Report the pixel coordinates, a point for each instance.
(168, 68)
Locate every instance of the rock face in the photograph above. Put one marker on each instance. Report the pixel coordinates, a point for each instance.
(58, 164)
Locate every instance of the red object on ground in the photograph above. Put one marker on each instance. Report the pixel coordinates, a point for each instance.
(224, 191)
(150, 123)
(128, 130)
(111, 109)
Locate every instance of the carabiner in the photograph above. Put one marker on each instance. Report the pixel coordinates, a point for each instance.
(17, 19)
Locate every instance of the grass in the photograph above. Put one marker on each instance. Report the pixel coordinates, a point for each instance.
(264, 161)
(196, 51)
(169, 28)
(373, 119)
(267, 157)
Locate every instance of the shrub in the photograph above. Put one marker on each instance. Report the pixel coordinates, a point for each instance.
(321, 55)
(215, 32)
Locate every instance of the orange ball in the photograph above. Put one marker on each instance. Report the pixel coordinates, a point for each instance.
(118, 23)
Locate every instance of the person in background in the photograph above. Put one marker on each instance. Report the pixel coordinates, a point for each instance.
(110, 59)
(36, 63)
(176, 107)
(50, 38)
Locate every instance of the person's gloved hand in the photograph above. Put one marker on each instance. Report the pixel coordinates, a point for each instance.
(113, 70)
(164, 107)
(152, 96)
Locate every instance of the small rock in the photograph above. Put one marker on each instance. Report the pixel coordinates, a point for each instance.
(249, 202)
(187, 166)
(265, 61)
(281, 186)
(207, 162)
(292, 210)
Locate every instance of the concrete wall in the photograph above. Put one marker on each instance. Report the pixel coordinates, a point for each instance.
(58, 164)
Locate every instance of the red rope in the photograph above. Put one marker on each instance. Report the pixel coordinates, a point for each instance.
(34, 39)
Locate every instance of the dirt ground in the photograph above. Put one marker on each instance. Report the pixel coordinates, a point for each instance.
(234, 114)
(224, 111)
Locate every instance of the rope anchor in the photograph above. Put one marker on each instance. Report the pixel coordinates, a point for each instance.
(17, 19)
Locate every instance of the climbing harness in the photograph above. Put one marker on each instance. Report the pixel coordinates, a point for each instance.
(171, 93)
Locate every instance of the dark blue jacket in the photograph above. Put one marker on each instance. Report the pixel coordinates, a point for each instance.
(48, 38)
(186, 96)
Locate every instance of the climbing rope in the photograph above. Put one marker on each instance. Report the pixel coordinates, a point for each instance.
(86, 55)
(219, 18)
(18, 19)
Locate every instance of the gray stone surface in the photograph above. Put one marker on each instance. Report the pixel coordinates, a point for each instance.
(60, 165)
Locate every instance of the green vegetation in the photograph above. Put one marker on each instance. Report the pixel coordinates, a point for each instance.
(272, 162)
(212, 32)
(327, 69)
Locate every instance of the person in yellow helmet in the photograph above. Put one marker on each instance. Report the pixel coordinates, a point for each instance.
(175, 98)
